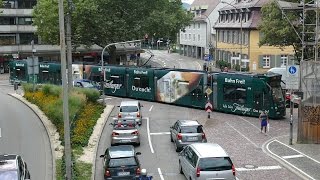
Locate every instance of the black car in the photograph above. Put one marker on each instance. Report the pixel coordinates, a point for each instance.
(13, 167)
(121, 162)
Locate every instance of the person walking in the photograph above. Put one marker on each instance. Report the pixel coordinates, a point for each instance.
(264, 119)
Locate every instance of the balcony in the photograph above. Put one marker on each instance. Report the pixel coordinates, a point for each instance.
(16, 12)
(17, 28)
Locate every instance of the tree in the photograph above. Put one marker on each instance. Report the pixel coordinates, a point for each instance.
(103, 22)
(284, 28)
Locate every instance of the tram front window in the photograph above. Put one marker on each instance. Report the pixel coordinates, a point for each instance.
(277, 94)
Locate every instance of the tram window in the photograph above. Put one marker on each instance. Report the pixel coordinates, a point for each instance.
(141, 81)
(116, 79)
(234, 94)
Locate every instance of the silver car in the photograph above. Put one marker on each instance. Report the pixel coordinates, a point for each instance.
(203, 161)
(125, 132)
(131, 110)
(185, 132)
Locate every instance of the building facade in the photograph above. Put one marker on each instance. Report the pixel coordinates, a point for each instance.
(199, 38)
(238, 37)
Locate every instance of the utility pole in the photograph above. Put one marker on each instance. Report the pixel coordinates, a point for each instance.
(69, 45)
(33, 66)
(241, 40)
(67, 146)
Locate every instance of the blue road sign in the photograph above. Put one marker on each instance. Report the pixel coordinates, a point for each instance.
(292, 69)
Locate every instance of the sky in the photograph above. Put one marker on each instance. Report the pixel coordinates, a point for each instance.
(188, 1)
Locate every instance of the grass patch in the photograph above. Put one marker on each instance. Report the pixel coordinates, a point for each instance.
(59, 173)
(85, 169)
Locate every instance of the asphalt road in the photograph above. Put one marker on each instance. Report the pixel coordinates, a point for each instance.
(23, 133)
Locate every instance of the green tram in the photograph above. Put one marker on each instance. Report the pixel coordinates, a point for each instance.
(247, 94)
(237, 93)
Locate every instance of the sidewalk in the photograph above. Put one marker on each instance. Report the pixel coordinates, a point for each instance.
(301, 159)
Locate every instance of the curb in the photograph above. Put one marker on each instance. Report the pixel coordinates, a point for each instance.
(37, 111)
(107, 112)
(266, 150)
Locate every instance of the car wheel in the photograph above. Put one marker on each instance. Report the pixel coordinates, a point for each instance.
(177, 148)
(171, 137)
(180, 168)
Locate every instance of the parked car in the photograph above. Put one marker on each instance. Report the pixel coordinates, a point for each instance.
(202, 161)
(125, 131)
(130, 110)
(185, 132)
(121, 162)
(13, 167)
(84, 83)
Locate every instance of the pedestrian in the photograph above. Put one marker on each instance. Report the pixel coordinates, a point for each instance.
(264, 119)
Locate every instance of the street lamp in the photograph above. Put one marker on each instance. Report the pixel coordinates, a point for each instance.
(102, 62)
(241, 34)
(210, 38)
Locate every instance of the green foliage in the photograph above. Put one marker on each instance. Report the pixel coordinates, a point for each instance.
(49, 89)
(27, 87)
(91, 94)
(221, 64)
(103, 22)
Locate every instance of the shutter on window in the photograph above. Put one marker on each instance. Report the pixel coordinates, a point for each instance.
(260, 65)
(272, 61)
(278, 60)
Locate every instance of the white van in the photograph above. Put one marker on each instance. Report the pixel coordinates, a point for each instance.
(283, 72)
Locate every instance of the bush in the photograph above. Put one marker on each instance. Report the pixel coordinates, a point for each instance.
(91, 94)
(27, 87)
(53, 90)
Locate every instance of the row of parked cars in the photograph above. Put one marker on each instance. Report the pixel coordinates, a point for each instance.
(198, 160)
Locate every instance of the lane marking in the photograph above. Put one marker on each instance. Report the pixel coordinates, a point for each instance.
(0, 133)
(287, 162)
(151, 108)
(200, 67)
(292, 156)
(160, 133)
(160, 173)
(299, 152)
(259, 128)
(149, 137)
(243, 135)
(260, 168)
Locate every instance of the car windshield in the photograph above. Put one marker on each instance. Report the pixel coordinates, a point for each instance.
(277, 94)
(215, 164)
(87, 84)
(130, 161)
(9, 175)
(191, 129)
(128, 109)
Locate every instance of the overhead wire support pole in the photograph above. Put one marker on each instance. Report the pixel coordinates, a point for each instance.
(69, 44)
(67, 144)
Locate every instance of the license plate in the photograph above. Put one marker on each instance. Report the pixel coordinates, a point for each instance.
(125, 140)
(192, 138)
(123, 173)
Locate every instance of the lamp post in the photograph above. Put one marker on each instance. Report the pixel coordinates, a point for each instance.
(102, 62)
(241, 33)
(210, 38)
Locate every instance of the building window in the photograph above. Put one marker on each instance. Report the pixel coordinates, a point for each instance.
(198, 25)
(194, 37)
(189, 36)
(225, 36)
(198, 37)
(7, 21)
(26, 4)
(25, 21)
(266, 61)
(284, 60)
(26, 38)
(185, 36)
(7, 39)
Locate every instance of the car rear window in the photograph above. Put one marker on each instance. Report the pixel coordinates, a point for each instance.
(128, 109)
(215, 164)
(125, 125)
(131, 161)
(191, 129)
(9, 175)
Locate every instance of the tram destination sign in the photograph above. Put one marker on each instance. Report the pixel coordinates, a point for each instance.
(293, 74)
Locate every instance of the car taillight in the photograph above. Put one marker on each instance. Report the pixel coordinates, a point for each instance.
(135, 133)
(233, 170)
(198, 172)
(203, 136)
(179, 136)
(115, 134)
(119, 115)
(119, 124)
(107, 173)
(138, 171)
(138, 114)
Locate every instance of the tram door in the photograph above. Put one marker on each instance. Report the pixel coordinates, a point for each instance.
(260, 100)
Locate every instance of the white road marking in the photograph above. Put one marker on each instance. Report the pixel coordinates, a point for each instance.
(0, 133)
(243, 135)
(107, 98)
(299, 152)
(259, 168)
(160, 133)
(149, 137)
(151, 108)
(292, 156)
(160, 173)
(287, 162)
(200, 67)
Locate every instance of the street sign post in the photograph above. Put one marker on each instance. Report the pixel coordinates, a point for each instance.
(293, 80)
(208, 91)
